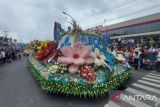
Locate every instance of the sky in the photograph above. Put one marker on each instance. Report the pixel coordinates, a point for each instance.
(27, 20)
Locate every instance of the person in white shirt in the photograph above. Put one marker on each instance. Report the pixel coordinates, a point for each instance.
(158, 57)
(158, 62)
(152, 49)
(132, 42)
(136, 56)
(3, 57)
(127, 55)
(0, 58)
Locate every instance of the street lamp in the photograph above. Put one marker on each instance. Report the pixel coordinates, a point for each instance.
(74, 22)
(68, 15)
(72, 39)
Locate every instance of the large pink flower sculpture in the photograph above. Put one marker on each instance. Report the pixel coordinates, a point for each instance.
(76, 55)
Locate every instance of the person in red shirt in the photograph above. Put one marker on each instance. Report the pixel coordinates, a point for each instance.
(131, 59)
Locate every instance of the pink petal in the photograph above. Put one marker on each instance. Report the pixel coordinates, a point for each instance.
(79, 61)
(89, 60)
(73, 68)
(67, 51)
(84, 51)
(77, 46)
(65, 60)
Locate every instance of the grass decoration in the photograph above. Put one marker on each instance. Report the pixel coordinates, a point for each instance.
(86, 90)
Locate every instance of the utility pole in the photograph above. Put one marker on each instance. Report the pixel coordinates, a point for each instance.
(104, 22)
(73, 21)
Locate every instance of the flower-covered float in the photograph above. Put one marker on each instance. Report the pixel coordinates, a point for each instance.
(78, 63)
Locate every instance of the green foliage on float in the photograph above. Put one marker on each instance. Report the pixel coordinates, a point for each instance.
(87, 90)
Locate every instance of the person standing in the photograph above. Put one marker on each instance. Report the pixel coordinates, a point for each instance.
(0, 58)
(131, 58)
(7, 55)
(127, 56)
(3, 55)
(152, 49)
(136, 56)
(10, 56)
(19, 54)
(158, 62)
(13, 55)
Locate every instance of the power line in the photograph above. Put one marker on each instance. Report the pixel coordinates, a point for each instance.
(116, 11)
(107, 10)
(139, 11)
(136, 12)
(104, 10)
(100, 16)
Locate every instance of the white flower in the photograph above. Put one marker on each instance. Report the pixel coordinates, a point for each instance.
(120, 57)
(75, 79)
(99, 58)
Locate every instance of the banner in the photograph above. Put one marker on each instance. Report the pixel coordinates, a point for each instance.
(57, 32)
(93, 41)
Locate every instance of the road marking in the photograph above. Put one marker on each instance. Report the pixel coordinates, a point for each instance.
(137, 92)
(153, 77)
(146, 78)
(146, 88)
(149, 83)
(153, 74)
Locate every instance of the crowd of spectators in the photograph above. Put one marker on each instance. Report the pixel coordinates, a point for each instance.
(139, 55)
(8, 56)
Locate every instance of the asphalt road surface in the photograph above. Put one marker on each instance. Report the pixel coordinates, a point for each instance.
(18, 88)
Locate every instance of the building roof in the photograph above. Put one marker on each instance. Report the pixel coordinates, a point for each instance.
(134, 22)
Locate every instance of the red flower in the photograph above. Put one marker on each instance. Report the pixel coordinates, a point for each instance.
(47, 52)
(88, 73)
(56, 52)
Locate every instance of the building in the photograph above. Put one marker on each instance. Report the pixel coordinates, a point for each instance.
(140, 27)
(94, 29)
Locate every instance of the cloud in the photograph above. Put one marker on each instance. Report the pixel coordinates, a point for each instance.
(32, 19)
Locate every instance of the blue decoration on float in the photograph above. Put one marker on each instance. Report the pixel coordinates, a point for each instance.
(67, 41)
(102, 41)
(105, 38)
(57, 32)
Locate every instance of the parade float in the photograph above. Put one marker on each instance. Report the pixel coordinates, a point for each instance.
(78, 63)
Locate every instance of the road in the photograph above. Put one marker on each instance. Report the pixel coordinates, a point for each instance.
(18, 88)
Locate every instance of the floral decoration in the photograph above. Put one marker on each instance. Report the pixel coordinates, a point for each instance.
(76, 56)
(87, 72)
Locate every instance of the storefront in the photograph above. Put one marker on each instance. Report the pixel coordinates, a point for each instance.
(141, 29)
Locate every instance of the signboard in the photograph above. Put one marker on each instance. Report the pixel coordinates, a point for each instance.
(100, 41)
(57, 32)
